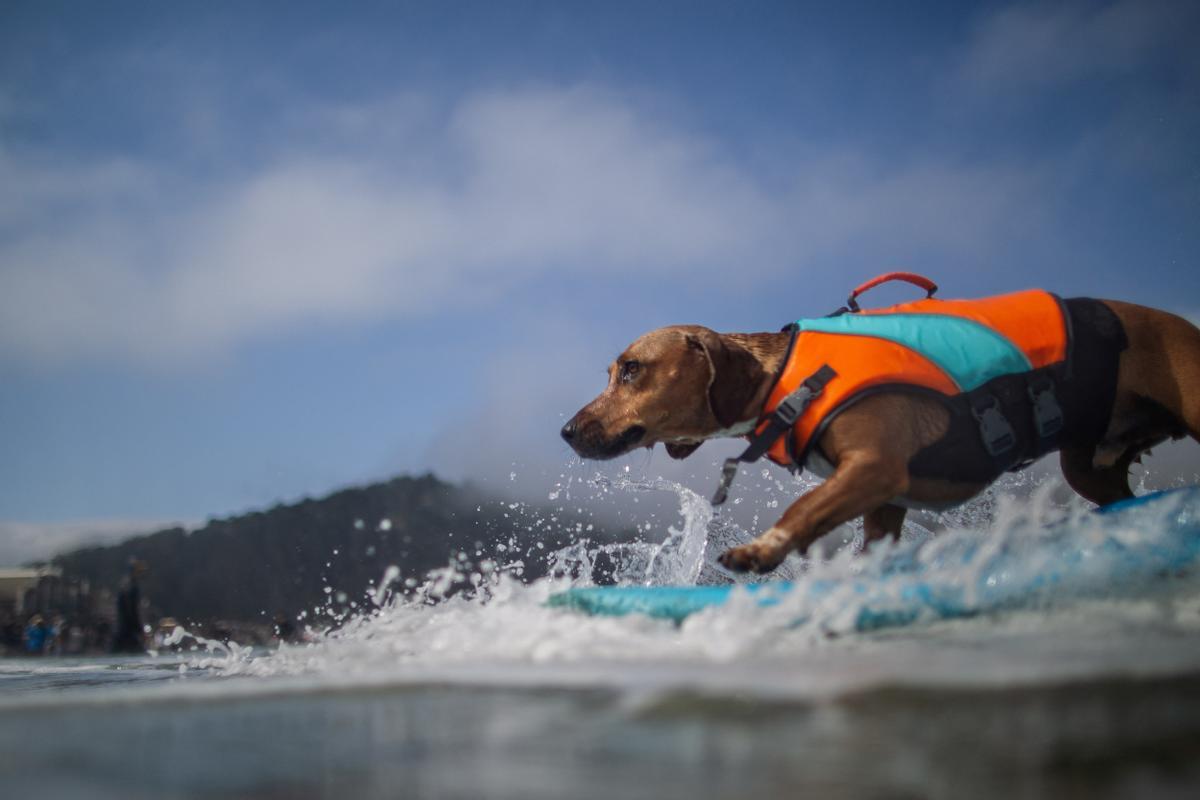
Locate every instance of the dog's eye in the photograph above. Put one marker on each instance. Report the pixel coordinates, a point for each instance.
(629, 371)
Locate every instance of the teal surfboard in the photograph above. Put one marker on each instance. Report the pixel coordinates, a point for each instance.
(1125, 548)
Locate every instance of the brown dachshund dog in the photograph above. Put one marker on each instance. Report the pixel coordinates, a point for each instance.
(684, 384)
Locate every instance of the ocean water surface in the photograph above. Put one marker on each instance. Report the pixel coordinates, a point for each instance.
(1071, 669)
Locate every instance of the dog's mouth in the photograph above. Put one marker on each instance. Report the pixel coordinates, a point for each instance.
(632, 435)
(599, 448)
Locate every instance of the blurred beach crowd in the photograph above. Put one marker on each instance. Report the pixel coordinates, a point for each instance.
(44, 614)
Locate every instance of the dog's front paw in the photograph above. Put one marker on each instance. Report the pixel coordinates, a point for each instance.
(753, 557)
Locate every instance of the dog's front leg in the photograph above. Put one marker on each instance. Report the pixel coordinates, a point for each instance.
(863, 481)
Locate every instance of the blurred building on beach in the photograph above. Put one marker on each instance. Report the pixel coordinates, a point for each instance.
(75, 616)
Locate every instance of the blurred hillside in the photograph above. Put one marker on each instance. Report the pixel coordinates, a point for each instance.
(301, 556)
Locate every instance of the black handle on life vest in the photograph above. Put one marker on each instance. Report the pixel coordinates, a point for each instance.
(909, 277)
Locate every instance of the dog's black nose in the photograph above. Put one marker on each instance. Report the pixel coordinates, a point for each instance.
(568, 431)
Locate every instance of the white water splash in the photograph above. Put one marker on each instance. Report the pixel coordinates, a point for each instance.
(499, 625)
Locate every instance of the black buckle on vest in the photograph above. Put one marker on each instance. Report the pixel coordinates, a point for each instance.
(998, 434)
(791, 407)
(1047, 413)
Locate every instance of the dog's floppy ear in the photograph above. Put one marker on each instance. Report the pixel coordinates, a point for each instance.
(677, 450)
(735, 378)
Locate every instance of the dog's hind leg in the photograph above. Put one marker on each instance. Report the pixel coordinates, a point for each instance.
(1157, 398)
(1161, 366)
(1101, 485)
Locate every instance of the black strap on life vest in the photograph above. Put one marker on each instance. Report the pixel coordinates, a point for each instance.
(1000, 409)
(780, 422)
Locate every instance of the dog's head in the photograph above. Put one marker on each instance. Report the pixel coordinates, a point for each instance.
(678, 385)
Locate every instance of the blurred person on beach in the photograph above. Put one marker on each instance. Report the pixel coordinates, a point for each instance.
(35, 636)
(129, 637)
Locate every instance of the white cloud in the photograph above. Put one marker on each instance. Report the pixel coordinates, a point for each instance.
(125, 260)
(23, 542)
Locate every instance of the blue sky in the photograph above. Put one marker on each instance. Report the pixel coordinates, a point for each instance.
(259, 250)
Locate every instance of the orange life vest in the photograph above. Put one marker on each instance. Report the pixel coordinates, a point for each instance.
(946, 346)
(1019, 375)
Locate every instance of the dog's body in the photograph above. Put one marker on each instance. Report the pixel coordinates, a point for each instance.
(683, 385)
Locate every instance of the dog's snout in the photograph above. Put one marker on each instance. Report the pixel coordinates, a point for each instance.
(587, 437)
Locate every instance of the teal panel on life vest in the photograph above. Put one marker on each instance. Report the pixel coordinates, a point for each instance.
(971, 354)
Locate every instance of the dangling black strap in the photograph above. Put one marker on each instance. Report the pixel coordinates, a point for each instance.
(780, 422)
